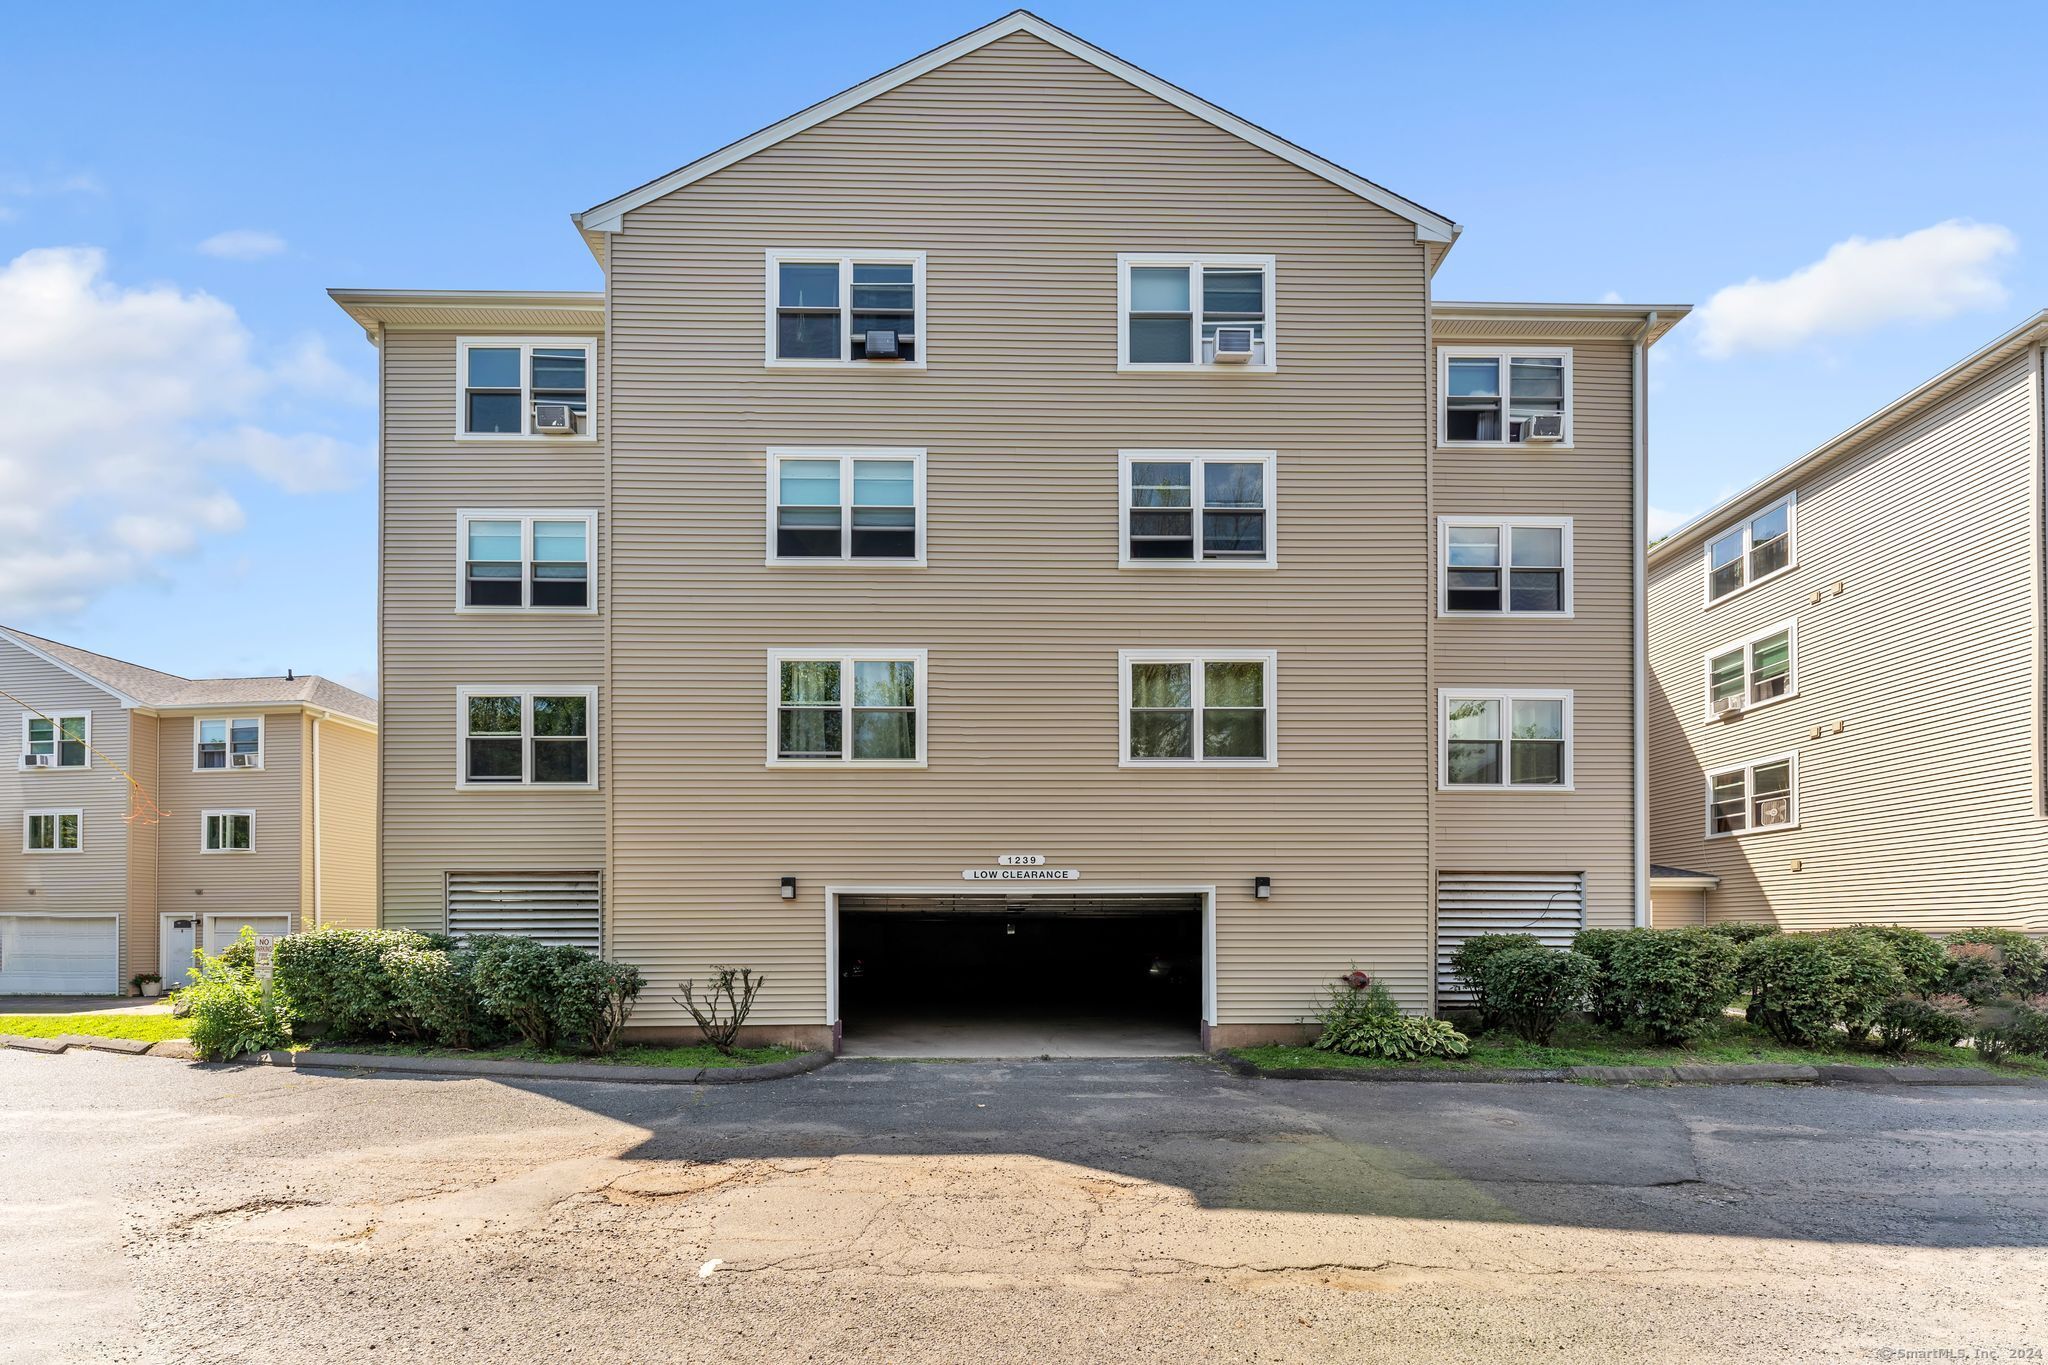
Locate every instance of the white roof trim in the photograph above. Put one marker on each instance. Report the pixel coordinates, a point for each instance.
(55, 662)
(606, 217)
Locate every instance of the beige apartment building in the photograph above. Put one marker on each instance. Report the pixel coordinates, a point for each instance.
(151, 814)
(1012, 539)
(1846, 720)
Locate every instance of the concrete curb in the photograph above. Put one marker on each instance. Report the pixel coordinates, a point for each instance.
(15, 1040)
(1697, 1073)
(542, 1071)
(127, 1047)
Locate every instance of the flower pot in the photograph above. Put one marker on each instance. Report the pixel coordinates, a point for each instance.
(152, 989)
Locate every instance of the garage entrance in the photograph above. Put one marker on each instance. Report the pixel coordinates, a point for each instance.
(1020, 976)
(60, 954)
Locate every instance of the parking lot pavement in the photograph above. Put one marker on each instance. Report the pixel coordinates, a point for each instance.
(1121, 1210)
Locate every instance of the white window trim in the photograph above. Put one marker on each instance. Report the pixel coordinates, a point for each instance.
(1268, 458)
(526, 435)
(1506, 696)
(1446, 354)
(846, 657)
(1790, 630)
(1198, 682)
(526, 516)
(1202, 259)
(56, 719)
(1505, 525)
(29, 815)
(1748, 771)
(206, 818)
(846, 455)
(526, 692)
(772, 295)
(1790, 502)
(230, 717)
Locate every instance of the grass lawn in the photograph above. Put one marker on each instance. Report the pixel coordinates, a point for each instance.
(153, 1028)
(1579, 1043)
(633, 1054)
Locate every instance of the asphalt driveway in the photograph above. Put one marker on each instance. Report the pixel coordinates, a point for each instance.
(1139, 1210)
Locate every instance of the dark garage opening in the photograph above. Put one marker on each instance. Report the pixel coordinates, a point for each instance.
(985, 976)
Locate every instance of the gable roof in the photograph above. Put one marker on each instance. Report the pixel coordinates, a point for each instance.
(135, 685)
(1886, 419)
(605, 217)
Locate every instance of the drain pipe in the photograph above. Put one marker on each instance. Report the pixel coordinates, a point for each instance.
(1639, 435)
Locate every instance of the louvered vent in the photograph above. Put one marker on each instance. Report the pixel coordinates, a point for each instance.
(553, 907)
(1550, 905)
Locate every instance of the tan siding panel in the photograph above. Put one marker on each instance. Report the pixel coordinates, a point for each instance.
(267, 879)
(348, 826)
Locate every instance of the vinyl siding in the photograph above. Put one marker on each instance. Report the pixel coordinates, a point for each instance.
(1023, 173)
(268, 879)
(428, 649)
(95, 879)
(348, 826)
(142, 944)
(1924, 810)
(1589, 829)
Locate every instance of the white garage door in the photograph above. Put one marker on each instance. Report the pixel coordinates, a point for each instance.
(60, 955)
(222, 930)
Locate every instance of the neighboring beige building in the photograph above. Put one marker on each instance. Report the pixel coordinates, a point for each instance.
(151, 814)
(985, 551)
(1846, 724)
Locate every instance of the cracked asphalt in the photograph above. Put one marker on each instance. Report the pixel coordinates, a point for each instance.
(1129, 1211)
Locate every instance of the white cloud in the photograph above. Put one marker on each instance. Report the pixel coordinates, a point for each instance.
(1862, 284)
(1611, 296)
(243, 244)
(20, 188)
(128, 410)
(1663, 522)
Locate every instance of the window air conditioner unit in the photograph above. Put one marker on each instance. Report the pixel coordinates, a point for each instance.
(1775, 810)
(880, 344)
(554, 419)
(242, 760)
(1543, 428)
(1234, 345)
(1728, 705)
(38, 760)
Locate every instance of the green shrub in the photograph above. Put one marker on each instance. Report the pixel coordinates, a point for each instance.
(1468, 962)
(1671, 983)
(336, 979)
(2030, 1026)
(1397, 1038)
(1919, 956)
(1742, 931)
(1603, 1001)
(434, 995)
(1793, 993)
(1942, 1020)
(522, 982)
(1867, 978)
(2024, 964)
(596, 998)
(1976, 971)
(231, 1011)
(1533, 989)
(1350, 1001)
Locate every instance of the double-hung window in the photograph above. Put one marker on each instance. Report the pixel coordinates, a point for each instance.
(1170, 308)
(1745, 555)
(1202, 706)
(514, 560)
(1505, 566)
(526, 736)
(842, 506)
(502, 382)
(57, 740)
(1185, 507)
(1510, 739)
(1753, 672)
(846, 706)
(1753, 798)
(1504, 397)
(227, 831)
(227, 742)
(53, 831)
(861, 308)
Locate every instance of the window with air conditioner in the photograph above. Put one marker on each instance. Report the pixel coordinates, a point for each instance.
(56, 740)
(53, 831)
(1198, 508)
(846, 507)
(861, 309)
(1195, 312)
(1498, 397)
(1755, 672)
(1753, 798)
(526, 737)
(520, 560)
(524, 388)
(227, 743)
(1505, 739)
(1209, 707)
(847, 706)
(1505, 566)
(1760, 548)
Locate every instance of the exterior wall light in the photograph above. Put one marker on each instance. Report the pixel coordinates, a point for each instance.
(1262, 887)
(789, 888)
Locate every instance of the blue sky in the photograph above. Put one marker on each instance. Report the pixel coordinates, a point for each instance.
(179, 185)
